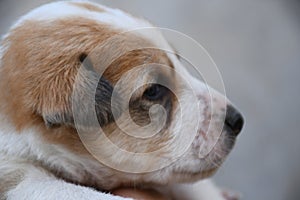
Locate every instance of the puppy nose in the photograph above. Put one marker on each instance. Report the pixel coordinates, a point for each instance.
(234, 120)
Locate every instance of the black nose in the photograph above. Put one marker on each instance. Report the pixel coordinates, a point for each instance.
(234, 120)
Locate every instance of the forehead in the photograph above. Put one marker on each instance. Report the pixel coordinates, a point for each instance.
(113, 17)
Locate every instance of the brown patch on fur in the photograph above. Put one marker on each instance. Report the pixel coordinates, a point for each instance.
(39, 69)
(87, 6)
(40, 65)
(38, 72)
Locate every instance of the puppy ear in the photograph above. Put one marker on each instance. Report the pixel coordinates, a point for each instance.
(103, 105)
(58, 119)
(102, 99)
(86, 62)
(103, 94)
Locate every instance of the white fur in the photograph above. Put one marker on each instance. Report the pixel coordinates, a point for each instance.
(39, 186)
(205, 189)
(59, 10)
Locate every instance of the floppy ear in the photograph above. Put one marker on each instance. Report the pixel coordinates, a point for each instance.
(58, 119)
(102, 98)
(103, 104)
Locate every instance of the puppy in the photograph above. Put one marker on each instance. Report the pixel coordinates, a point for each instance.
(88, 105)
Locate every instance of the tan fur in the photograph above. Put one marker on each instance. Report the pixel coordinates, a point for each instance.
(40, 66)
(135, 58)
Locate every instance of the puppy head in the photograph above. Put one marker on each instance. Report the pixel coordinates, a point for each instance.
(126, 110)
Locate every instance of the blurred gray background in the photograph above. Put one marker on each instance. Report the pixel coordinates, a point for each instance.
(256, 45)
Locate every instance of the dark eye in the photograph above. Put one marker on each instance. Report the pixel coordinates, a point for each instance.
(154, 92)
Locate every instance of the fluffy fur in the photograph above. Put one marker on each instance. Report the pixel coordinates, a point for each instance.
(41, 154)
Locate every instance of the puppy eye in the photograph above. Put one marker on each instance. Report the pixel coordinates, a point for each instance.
(154, 92)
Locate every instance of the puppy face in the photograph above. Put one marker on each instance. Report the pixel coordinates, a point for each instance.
(56, 71)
